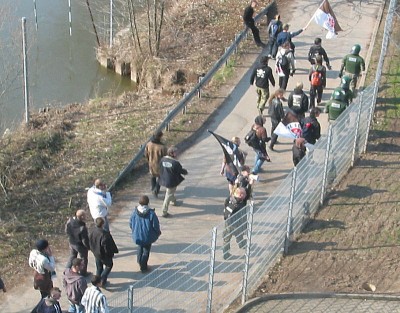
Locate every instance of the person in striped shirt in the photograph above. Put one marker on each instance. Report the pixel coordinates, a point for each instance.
(93, 299)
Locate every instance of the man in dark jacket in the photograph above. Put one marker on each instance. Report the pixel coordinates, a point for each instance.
(103, 247)
(78, 238)
(145, 230)
(274, 28)
(75, 285)
(316, 50)
(249, 22)
(286, 36)
(260, 148)
(298, 101)
(311, 129)
(235, 220)
(262, 74)
(171, 172)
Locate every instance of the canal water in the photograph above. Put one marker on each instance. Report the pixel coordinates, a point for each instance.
(62, 69)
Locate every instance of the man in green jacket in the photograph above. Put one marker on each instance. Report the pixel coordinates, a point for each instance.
(353, 65)
(340, 99)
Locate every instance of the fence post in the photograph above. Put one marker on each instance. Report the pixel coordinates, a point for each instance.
(353, 155)
(25, 70)
(290, 211)
(326, 163)
(227, 59)
(130, 299)
(199, 81)
(236, 45)
(212, 268)
(250, 214)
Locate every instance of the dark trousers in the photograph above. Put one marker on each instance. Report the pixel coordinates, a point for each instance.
(274, 137)
(315, 92)
(272, 47)
(43, 294)
(143, 255)
(255, 31)
(74, 250)
(103, 268)
(155, 186)
(283, 81)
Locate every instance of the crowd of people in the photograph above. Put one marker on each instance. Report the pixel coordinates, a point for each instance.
(165, 170)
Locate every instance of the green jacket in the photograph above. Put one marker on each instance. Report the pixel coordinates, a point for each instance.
(353, 64)
(342, 95)
(334, 108)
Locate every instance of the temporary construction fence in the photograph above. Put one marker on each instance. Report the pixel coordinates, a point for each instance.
(200, 279)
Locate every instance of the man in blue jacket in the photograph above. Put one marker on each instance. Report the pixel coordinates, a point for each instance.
(145, 230)
(171, 172)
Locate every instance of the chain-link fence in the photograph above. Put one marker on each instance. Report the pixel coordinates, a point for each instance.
(207, 276)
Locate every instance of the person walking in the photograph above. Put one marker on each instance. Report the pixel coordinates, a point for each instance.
(298, 101)
(153, 152)
(261, 75)
(50, 304)
(285, 36)
(353, 65)
(145, 228)
(103, 248)
(248, 20)
(316, 50)
(171, 172)
(75, 285)
(42, 261)
(99, 201)
(238, 157)
(93, 300)
(259, 148)
(235, 221)
(276, 113)
(311, 129)
(78, 238)
(284, 65)
(274, 28)
(340, 99)
(317, 78)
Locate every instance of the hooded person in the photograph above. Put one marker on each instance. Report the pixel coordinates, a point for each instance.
(75, 285)
(145, 228)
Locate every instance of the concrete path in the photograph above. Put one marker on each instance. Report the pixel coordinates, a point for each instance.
(204, 190)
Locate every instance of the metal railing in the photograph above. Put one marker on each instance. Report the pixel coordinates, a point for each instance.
(200, 279)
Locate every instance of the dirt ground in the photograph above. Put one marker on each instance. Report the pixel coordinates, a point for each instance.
(354, 239)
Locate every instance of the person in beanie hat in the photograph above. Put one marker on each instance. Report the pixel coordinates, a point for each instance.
(42, 261)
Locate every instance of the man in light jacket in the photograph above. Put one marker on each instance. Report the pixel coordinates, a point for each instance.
(99, 201)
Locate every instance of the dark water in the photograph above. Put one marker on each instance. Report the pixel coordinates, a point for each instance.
(62, 69)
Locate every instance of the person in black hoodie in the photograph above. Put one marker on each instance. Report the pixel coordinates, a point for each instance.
(298, 101)
(235, 220)
(316, 50)
(78, 238)
(249, 22)
(103, 247)
(171, 172)
(75, 285)
(262, 74)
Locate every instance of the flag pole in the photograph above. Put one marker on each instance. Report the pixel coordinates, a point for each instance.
(312, 17)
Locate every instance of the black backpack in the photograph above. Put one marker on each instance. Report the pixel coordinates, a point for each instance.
(251, 139)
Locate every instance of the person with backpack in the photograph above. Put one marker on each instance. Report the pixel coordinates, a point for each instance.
(257, 139)
(317, 78)
(284, 65)
(261, 75)
(340, 99)
(250, 23)
(353, 64)
(316, 50)
(274, 28)
(276, 113)
(285, 36)
(298, 101)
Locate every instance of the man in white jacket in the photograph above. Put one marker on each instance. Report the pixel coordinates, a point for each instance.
(99, 200)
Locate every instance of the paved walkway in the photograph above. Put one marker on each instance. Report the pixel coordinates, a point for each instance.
(204, 190)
